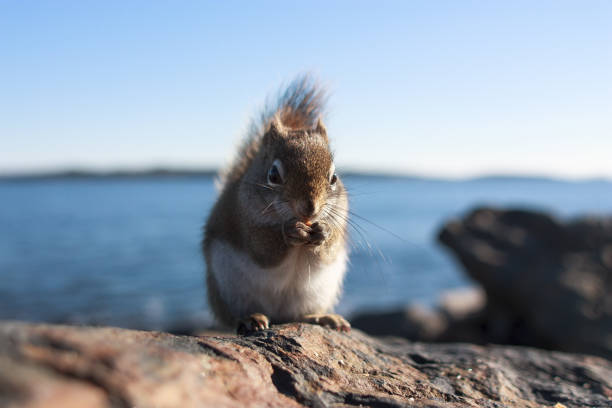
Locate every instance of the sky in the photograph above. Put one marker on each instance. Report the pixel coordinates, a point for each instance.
(432, 88)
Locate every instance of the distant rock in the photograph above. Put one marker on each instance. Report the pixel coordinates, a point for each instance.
(460, 316)
(411, 322)
(288, 366)
(548, 283)
(545, 283)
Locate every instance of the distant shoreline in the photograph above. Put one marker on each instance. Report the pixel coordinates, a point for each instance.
(92, 174)
(157, 173)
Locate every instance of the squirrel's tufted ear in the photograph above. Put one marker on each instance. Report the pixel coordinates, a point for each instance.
(320, 128)
(276, 126)
(274, 130)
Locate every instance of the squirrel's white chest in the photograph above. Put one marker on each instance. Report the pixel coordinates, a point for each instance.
(301, 284)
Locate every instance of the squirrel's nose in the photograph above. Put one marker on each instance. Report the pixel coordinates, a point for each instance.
(310, 208)
(307, 209)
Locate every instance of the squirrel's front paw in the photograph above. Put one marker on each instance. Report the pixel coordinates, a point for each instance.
(301, 234)
(297, 234)
(318, 234)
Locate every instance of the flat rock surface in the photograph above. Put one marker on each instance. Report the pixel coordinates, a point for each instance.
(287, 366)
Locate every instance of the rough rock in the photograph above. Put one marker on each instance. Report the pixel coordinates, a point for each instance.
(548, 283)
(287, 366)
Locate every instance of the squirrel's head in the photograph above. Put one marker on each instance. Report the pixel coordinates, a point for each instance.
(297, 169)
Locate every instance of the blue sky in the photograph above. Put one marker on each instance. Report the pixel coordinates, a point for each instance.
(442, 88)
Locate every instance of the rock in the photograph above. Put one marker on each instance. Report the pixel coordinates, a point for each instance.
(287, 366)
(412, 322)
(459, 316)
(461, 304)
(548, 283)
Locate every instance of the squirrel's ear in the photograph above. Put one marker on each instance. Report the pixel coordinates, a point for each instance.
(320, 128)
(274, 130)
(276, 126)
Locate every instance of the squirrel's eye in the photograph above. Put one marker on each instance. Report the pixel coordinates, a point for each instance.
(274, 176)
(333, 179)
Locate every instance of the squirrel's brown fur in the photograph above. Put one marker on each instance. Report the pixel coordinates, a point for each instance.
(299, 106)
(278, 248)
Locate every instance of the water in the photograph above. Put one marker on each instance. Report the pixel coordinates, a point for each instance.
(125, 252)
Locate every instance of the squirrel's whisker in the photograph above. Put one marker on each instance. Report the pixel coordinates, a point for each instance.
(376, 225)
(366, 245)
(263, 212)
(358, 229)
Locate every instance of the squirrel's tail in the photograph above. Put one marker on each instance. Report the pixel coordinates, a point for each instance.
(298, 105)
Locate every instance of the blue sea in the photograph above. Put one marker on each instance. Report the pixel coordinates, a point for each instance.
(125, 251)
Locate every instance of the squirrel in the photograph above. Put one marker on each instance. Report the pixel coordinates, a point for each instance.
(275, 240)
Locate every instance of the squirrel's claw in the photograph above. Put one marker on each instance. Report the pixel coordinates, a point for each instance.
(319, 233)
(331, 320)
(253, 323)
(302, 234)
(297, 234)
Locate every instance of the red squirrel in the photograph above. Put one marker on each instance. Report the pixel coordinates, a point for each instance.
(275, 241)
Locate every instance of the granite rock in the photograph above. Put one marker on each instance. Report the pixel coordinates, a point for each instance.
(287, 366)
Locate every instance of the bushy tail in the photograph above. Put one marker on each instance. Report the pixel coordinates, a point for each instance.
(299, 105)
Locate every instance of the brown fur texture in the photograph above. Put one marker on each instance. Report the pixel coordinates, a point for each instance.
(306, 213)
(300, 106)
